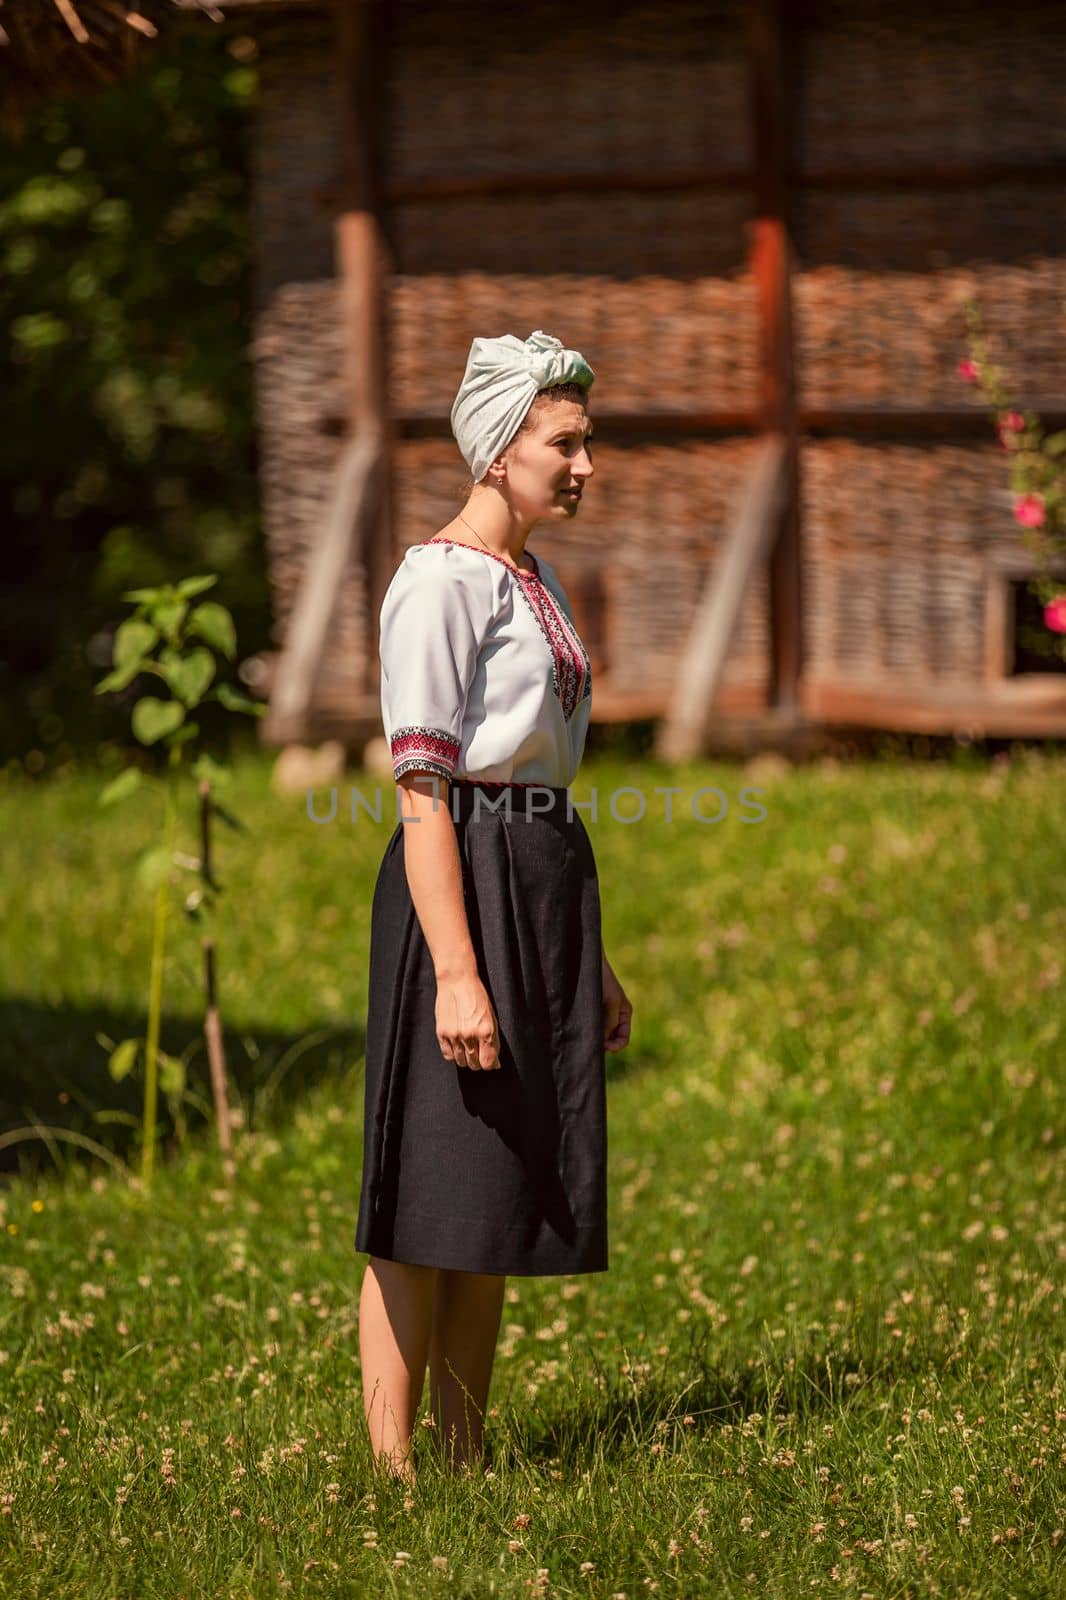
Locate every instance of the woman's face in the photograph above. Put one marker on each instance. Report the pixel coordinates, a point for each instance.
(550, 462)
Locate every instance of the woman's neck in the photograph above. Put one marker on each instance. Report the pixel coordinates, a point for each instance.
(488, 520)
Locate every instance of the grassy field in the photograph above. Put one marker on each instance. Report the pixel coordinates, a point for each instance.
(828, 1355)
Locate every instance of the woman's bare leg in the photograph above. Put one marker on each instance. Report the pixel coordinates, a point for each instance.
(466, 1324)
(395, 1315)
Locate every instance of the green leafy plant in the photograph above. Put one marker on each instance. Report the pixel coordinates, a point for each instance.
(125, 297)
(1037, 477)
(178, 641)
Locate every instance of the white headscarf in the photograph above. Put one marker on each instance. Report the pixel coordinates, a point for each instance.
(501, 379)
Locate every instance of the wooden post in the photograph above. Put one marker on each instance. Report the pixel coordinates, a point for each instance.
(770, 50)
(745, 548)
(356, 526)
(363, 262)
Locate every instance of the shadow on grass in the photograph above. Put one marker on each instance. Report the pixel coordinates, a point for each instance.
(53, 1071)
(630, 1414)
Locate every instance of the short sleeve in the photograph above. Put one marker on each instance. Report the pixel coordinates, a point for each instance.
(434, 618)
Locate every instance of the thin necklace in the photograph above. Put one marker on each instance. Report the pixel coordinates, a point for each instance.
(477, 536)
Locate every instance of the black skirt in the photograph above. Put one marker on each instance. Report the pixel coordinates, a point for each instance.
(502, 1171)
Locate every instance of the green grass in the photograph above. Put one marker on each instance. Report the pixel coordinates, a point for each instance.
(828, 1354)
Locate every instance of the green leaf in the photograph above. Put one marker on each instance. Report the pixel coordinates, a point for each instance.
(207, 768)
(121, 1060)
(153, 867)
(214, 623)
(1054, 444)
(168, 614)
(151, 597)
(183, 735)
(127, 1117)
(190, 586)
(153, 718)
(133, 640)
(171, 1074)
(234, 701)
(120, 787)
(119, 678)
(189, 676)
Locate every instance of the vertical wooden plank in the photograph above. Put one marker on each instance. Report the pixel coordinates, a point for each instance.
(363, 265)
(773, 27)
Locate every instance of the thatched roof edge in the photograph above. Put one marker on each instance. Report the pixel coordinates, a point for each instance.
(56, 47)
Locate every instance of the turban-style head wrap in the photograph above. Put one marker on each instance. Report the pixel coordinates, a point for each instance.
(502, 378)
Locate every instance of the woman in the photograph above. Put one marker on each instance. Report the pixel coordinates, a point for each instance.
(491, 997)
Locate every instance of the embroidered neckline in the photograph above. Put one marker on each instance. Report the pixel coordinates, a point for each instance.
(571, 668)
(478, 551)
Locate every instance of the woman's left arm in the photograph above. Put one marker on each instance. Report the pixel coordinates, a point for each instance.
(617, 1011)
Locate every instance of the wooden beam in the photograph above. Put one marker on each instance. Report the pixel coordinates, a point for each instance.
(874, 421)
(629, 424)
(934, 422)
(770, 49)
(362, 30)
(745, 550)
(456, 186)
(356, 493)
(637, 180)
(1033, 705)
(939, 175)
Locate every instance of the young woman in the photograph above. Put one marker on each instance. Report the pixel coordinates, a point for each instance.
(492, 1001)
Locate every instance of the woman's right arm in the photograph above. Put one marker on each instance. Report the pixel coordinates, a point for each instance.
(467, 1029)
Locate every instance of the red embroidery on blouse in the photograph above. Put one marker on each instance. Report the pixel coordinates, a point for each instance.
(571, 667)
(424, 750)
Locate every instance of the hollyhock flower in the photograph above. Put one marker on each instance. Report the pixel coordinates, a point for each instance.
(1014, 421)
(969, 370)
(1055, 614)
(1029, 510)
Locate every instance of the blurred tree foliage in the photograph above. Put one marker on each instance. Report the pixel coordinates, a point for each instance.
(127, 447)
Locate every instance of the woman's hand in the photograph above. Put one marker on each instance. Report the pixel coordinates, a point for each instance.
(467, 1030)
(617, 1011)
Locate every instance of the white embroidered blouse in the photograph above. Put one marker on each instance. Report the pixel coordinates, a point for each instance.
(483, 674)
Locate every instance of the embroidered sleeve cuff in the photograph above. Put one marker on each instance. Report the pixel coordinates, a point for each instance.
(424, 750)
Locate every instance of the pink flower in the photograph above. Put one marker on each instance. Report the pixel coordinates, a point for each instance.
(1007, 426)
(1029, 510)
(969, 370)
(1055, 614)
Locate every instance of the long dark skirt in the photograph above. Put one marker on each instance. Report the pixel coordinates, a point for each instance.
(502, 1171)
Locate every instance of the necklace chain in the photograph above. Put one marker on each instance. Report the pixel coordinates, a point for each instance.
(477, 536)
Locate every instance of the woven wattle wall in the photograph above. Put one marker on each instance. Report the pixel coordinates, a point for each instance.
(653, 286)
(295, 150)
(881, 276)
(897, 537)
(300, 394)
(903, 601)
